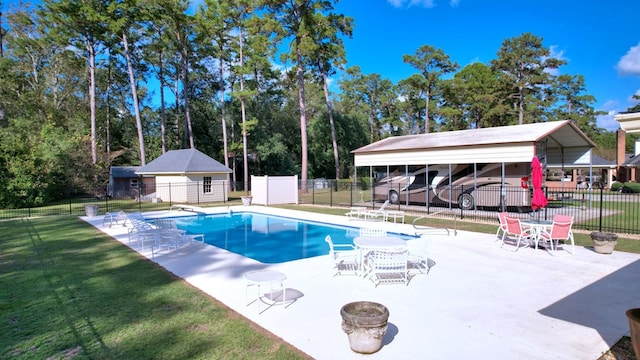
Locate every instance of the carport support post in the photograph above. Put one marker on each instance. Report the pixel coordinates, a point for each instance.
(503, 190)
(427, 185)
(371, 184)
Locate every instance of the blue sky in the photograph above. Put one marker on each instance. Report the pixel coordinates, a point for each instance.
(599, 39)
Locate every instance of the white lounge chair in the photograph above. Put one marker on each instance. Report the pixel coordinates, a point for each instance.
(171, 237)
(375, 214)
(344, 257)
(139, 229)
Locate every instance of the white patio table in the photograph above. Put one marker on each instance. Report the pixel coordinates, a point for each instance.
(271, 278)
(536, 227)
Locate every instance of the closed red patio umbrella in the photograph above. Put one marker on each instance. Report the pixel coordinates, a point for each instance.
(539, 200)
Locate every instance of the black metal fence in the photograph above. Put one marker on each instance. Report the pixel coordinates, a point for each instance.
(160, 197)
(592, 209)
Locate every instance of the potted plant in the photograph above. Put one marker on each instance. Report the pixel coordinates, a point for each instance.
(365, 323)
(634, 326)
(604, 242)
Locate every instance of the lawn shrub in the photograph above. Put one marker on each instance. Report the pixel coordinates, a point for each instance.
(616, 186)
(631, 187)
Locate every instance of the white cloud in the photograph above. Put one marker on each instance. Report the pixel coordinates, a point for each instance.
(629, 64)
(454, 3)
(410, 3)
(608, 121)
(555, 53)
(423, 3)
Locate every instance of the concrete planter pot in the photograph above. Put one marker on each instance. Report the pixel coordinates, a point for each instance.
(91, 209)
(634, 325)
(365, 323)
(603, 242)
(246, 200)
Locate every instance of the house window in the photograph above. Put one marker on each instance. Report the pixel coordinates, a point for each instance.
(206, 184)
(133, 183)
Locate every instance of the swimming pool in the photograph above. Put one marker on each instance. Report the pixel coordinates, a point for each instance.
(267, 238)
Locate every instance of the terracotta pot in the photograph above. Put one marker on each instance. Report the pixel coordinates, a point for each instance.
(603, 242)
(634, 325)
(365, 323)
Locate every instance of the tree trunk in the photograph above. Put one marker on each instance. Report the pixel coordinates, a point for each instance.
(426, 112)
(334, 140)
(224, 122)
(163, 113)
(303, 117)
(92, 102)
(134, 94)
(244, 120)
(185, 89)
(108, 114)
(521, 106)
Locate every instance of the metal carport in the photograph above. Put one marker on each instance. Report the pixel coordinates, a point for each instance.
(557, 144)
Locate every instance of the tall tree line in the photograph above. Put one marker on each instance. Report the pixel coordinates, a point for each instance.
(90, 84)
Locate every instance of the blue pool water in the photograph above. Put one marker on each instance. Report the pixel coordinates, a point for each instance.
(266, 238)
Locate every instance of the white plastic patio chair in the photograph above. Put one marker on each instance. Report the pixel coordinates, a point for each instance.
(388, 266)
(417, 257)
(344, 258)
(372, 232)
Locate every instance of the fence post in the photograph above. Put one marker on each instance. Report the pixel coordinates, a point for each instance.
(458, 200)
(352, 185)
(331, 196)
(601, 205)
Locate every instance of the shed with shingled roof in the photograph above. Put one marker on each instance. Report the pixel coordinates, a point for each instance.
(188, 176)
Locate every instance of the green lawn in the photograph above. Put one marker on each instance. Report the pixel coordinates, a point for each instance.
(69, 291)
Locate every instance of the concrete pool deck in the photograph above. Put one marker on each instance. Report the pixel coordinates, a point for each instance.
(477, 301)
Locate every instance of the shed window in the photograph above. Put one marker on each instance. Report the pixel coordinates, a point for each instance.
(206, 184)
(133, 183)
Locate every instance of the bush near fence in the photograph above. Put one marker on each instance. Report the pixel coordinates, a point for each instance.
(627, 187)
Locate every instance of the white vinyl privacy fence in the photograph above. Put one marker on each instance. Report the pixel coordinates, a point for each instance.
(273, 190)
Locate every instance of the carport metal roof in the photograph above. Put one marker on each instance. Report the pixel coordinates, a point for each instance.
(629, 122)
(565, 145)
